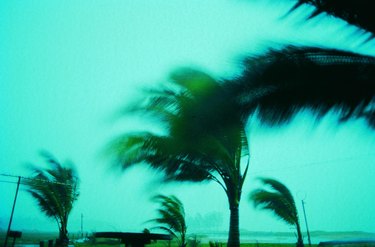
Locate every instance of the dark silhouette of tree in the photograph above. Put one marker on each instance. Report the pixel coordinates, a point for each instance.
(204, 118)
(357, 13)
(55, 189)
(205, 137)
(281, 83)
(171, 217)
(279, 201)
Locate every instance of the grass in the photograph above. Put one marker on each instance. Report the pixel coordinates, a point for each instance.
(165, 244)
(160, 244)
(36, 237)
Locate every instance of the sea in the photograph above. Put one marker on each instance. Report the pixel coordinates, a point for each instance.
(284, 237)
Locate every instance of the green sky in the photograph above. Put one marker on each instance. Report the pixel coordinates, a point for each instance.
(66, 67)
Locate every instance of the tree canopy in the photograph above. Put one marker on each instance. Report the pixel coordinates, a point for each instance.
(55, 189)
(277, 198)
(171, 217)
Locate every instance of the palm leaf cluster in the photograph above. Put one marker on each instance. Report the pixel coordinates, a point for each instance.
(281, 83)
(55, 189)
(278, 199)
(357, 13)
(171, 217)
(196, 147)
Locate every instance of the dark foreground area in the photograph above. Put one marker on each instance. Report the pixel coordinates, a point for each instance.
(249, 239)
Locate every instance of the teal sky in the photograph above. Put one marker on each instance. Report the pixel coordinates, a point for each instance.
(66, 68)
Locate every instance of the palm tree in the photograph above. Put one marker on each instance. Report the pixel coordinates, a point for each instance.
(172, 217)
(205, 138)
(279, 201)
(55, 189)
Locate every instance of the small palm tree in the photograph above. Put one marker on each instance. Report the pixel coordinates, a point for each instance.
(55, 189)
(171, 217)
(280, 201)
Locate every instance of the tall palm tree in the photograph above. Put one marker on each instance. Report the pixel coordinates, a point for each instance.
(280, 201)
(55, 189)
(171, 217)
(205, 138)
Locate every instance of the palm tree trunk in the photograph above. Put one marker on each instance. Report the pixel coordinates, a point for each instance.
(63, 240)
(299, 236)
(234, 232)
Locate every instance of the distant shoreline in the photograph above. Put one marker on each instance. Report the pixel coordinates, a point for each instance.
(287, 237)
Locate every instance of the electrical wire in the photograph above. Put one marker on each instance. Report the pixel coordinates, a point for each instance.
(35, 179)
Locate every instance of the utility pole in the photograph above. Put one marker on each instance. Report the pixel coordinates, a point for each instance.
(11, 215)
(307, 227)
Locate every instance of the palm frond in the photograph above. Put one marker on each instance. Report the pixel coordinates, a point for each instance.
(194, 81)
(283, 82)
(204, 131)
(168, 230)
(358, 13)
(279, 200)
(171, 217)
(279, 188)
(275, 203)
(44, 204)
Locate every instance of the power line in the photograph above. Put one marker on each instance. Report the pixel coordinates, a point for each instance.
(35, 179)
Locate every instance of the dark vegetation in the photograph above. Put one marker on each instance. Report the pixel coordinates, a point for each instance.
(55, 189)
(205, 117)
